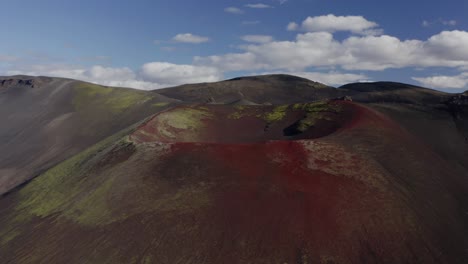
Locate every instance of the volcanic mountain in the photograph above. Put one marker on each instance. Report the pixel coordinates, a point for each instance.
(263, 169)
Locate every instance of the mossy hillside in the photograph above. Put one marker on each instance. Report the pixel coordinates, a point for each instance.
(82, 188)
(183, 119)
(56, 189)
(315, 112)
(239, 113)
(242, 111)
(115, 100)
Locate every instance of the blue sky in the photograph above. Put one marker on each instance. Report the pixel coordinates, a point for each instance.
(153, 44)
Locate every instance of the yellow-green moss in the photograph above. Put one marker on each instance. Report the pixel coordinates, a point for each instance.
(240, 107)
(314, 112)
(85, 91)
(182, 119)
(244, 111)
(277, 114)
(236, 115)
(147, 260)
(54, 190)
(123, 99)
(115, 100)
(160, 104)
(93, 208)
(6, 237)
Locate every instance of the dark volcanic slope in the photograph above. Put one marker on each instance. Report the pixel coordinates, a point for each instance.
(439, 119)
(46, 120)
(391, 92)
(173, 191)
(273, 89)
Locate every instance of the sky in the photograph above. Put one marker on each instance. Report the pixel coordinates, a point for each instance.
(149, 44)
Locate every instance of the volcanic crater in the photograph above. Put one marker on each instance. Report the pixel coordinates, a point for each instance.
(244, 123)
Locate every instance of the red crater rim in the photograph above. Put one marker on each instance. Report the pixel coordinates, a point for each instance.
(245, 123)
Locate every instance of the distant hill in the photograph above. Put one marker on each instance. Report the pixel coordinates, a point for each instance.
(47, 120)
(270, 89)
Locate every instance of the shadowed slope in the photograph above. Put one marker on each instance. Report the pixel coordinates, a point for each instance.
(366, 192)
(46, 120)
(392, 92)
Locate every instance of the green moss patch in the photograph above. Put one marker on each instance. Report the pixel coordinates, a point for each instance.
(160, 104)
(115, 100)
(277, 114)
(58, 188)
(315, 112)
(182, 120)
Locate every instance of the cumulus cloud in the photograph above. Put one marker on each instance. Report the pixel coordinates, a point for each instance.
(332, 23)
(442, 81)
(450, 45)
(450, 22)
(292, 26)
(190, 38)
(233, 10)
(152, 75)
(373, 53)
(257, 38)
(258, 6)
(97, 74)
(173, 74)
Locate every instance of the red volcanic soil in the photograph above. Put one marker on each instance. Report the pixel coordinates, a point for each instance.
(363, 190)
(317, 200)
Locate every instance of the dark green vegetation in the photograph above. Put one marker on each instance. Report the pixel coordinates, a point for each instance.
(267, 169)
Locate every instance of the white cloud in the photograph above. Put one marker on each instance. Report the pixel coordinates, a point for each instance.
(96, 74)
(332, 78)
(374, 53)
(258, 6)
(173, 74)
(451, 45)
(152, 75)
(257, 38)
(253, 22)
(231, 61)
(190, 38)
(233, 10)
(449, 22)
(332, 23)
(292, 26)
(442, 81)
